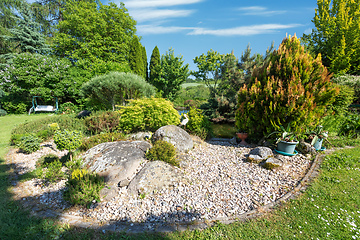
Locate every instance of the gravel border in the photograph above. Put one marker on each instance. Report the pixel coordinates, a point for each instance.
(116, 226)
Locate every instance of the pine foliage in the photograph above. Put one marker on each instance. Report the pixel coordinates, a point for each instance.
(154, 65)
(26, 34)
(293, 88)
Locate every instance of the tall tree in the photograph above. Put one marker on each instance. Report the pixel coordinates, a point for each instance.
(209, 69)
(173, 74)
(336, 35)
(136, 57)
(154, 65)
(26, 35)
(144, 58)
(94, 35)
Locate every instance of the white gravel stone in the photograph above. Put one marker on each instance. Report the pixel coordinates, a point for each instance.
(219, 183)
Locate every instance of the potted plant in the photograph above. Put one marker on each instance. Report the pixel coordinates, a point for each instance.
(317, 136)
(287, 141)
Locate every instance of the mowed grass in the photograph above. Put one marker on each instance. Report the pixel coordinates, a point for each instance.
(329, 208)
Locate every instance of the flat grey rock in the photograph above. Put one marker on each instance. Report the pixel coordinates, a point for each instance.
(115, 161)
(263, 152)
(254, 158)
(272, 163)
(154, 176)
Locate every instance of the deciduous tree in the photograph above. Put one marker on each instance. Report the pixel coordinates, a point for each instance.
(173, 73)
(92, 34)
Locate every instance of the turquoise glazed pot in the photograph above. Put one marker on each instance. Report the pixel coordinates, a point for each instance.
(318, 143)
(287, 147)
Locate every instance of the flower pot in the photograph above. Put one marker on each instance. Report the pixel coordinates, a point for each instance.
(242, 136)
(287, 147)
(318, 143)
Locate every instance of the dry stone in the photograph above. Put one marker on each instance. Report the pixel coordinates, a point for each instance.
(176, 136)
(154, 176)
(116, 162)
(272, 163)
(263, 152)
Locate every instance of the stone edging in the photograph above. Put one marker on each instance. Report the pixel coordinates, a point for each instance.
(181, 226)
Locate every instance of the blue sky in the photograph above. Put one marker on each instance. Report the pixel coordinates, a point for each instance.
(192, 27)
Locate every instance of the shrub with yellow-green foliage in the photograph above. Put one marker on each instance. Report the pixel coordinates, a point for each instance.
(83, 187)
(198, 124)
(163, 151)
(293, 88)
(147, 114)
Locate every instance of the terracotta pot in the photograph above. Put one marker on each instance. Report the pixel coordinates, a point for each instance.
(242, 136)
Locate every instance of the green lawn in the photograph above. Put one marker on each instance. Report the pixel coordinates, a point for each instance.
(329, 209)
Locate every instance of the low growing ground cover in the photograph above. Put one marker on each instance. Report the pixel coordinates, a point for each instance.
(328, 209)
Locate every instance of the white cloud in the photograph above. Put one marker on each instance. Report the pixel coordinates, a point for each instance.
(243, 30)
(156, 29)
(141, 15)
(157, 3)
(259, 11)
(236, 31)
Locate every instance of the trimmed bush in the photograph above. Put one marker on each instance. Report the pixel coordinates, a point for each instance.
(147, 114)
(29, 143)
(293, 88)
(83, 187)
(53, 171)
(46, 159)
(102, 122)
(68, 140)
(163, 151)
(198, 124)
(67, 108)
(2, 112)
(101, 138)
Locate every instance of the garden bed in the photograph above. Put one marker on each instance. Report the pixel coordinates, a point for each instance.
(220, 184)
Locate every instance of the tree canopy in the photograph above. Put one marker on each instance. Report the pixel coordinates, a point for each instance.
(92, 34)
(336, 35)
(173, 73)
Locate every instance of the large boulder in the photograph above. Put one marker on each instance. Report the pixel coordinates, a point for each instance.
(117, 162)
(176, 136)
(154, 176)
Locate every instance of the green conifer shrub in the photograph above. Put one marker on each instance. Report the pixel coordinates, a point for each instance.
(29, 143)
(198, 124)
(83, 187)
(103, 121)
(147, 114)
(293, 88)
(68, 140)
(101, 138)
(163, 151)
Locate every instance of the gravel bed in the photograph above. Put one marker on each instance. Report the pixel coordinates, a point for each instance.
(219, 183)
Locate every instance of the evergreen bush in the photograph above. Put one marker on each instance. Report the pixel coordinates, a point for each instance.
(163, 151)
(351, 81)
(83, 187)
(29, 143)
(2, 112)
(147, 114)
(198, 124)
(101, 122)
(100, 138)
(53, 172)
(293, 88)
(68, 140)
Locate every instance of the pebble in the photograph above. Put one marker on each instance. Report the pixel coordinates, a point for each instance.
(219, 183)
